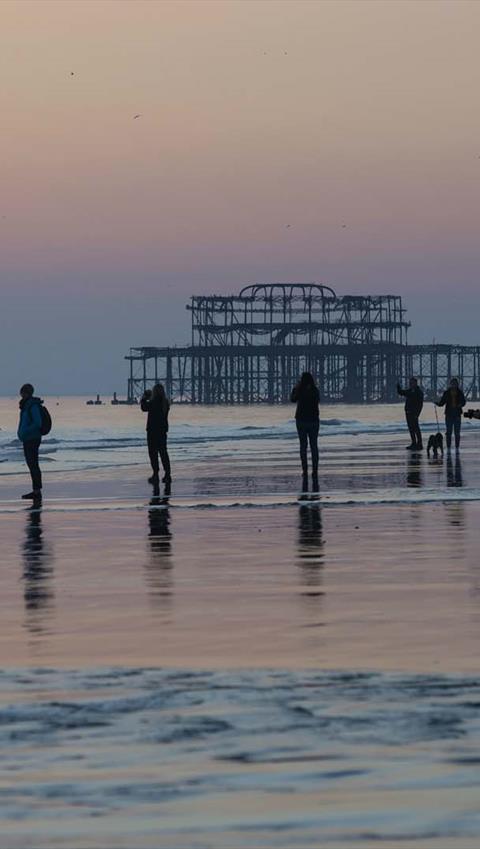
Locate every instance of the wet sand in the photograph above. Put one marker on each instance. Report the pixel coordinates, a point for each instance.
(225, 574)
(371, 587)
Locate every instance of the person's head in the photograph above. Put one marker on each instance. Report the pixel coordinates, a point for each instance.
(454, 383)
(307, 379)
(159, 392)
(26, 391)
(413, 383)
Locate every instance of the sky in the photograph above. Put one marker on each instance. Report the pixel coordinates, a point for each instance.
(264, 128)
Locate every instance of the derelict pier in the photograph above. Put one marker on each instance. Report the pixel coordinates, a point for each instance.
(250, 348)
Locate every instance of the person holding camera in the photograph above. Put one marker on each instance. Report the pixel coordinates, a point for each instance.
(413, 407)
(453, 400)
(156, 404)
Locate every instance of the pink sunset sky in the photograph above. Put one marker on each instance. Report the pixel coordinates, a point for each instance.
(264, 128)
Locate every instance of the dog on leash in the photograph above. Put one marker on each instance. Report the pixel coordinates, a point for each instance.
(435, 444)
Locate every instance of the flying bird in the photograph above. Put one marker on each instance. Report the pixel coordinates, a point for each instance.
(136, 116)
(72, 74)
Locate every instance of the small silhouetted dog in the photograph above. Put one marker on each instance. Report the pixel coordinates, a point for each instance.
(435, 444)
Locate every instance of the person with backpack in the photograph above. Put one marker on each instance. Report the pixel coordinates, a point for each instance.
(34, 423)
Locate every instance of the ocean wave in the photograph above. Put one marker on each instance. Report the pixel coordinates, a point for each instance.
(201, 435)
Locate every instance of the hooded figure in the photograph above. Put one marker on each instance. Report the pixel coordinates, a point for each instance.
(30, 433)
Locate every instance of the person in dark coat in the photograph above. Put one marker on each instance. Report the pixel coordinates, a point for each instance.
(453, 400)
(307, 397)
(157, 405)
(30, 434)
(413, 407)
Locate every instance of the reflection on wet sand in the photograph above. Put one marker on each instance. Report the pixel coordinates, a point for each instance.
(414, 469)
(310, 548)
(37, 574)
(160, 565)
(455, 512)
(454, 470)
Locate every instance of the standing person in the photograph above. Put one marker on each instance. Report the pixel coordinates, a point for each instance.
(307, 397)
(157, 405)
(30, 434)
(413, 407)
(453, 400)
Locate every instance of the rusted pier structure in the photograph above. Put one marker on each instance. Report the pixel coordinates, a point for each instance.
(250, 348)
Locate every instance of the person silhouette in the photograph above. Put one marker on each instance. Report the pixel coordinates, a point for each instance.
(453, 400)
(413, 407)
(307, 398)
(30, 435)
(157, 405)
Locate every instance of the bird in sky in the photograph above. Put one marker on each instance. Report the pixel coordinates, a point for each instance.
(136, 116)
(72, 74)
(288, 225)
(344, 226)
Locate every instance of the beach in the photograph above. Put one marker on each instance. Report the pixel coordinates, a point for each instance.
(236, 664)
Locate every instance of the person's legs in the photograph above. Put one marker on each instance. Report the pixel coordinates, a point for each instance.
(30, 450)
(418, 433)
(457, 424)
(313, 439)
(412, 423)
(162, 447)
(449, 425)
(302, 435)
(153, 447)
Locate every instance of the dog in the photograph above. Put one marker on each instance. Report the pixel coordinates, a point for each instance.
(435, 444)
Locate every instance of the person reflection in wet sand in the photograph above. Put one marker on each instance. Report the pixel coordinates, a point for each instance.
(310, 548)
(37, 574)
(454, 471)
(414, 470)
(159, 569)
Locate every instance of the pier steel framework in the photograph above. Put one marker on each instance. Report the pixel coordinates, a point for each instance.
(250, 348)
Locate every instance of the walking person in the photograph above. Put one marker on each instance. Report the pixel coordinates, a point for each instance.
(453, 400)
(157, 405)
(413, 407)
(307, 398)
(30, 434)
